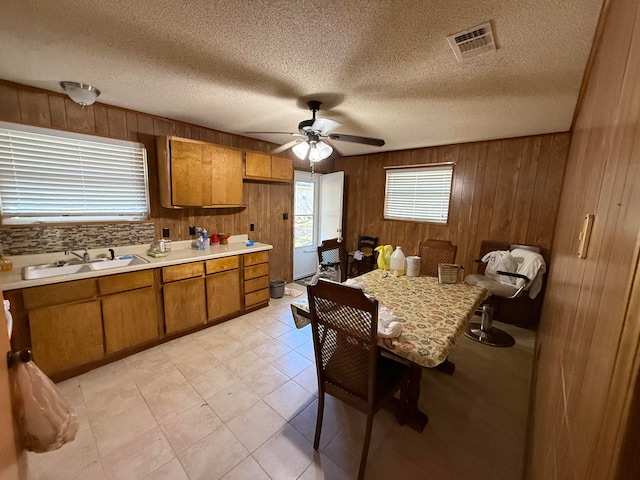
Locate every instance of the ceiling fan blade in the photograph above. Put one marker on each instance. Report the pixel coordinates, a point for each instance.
(286, 146)
(378, 142)
(296, 134)
(324, 125)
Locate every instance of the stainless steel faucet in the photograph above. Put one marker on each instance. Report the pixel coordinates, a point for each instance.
(85, 257)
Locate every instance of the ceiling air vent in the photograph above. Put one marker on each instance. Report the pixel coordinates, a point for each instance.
(472, 42)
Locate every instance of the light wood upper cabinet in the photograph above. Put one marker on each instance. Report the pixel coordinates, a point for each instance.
(282, 168)
(257, 165)
(262, 166)
(198, 174)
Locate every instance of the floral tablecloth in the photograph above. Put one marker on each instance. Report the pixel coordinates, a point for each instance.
(433, 315)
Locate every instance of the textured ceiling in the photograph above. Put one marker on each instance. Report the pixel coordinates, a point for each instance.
(382, 68)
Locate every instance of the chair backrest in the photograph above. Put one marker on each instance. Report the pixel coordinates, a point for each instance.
(367, 244)
(331, 253)
(344, 328)
(433, 252)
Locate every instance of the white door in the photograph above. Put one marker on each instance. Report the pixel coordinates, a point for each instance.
(306, 193)
(12, 461)
(331, 203)
(318, 201)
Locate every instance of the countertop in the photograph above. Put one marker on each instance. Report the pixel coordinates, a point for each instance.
(181, 252)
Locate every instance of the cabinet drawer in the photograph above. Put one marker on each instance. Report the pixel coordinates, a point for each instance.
(180, 272)
(254, 298)
(125, 281)
(222, 264)
(256, 271)
(256, 284)
(256, 258)
(58, 293)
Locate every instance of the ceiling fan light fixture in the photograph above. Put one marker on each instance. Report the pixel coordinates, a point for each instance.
(300, 150)
(320, 151)
(81, 93)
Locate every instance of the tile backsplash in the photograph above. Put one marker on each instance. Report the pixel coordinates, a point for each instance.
(45, 239)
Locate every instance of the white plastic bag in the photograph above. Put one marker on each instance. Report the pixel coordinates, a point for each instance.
(7, 314)
(46, 420)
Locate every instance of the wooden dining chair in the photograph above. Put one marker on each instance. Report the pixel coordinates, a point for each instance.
(332, 256)
(433, 252)
(349, 366)
(367, 245)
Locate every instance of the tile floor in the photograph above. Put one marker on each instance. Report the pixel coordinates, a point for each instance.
(238, 401)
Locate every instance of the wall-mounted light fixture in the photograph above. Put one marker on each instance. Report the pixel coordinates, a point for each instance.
(81, 93)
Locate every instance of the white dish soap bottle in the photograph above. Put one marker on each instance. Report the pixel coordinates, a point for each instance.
(398, 264)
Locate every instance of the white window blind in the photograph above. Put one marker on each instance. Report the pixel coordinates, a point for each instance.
(419, 193)
(49, 176)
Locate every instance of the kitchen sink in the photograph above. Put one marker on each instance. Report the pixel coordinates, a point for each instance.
(68, 268)
(53, 270)
(118, 262)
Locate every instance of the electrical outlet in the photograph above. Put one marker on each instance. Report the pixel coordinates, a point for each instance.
(251, 227)
(285, 216)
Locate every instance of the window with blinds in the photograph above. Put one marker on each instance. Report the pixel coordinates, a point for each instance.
(418, 193)
(51, 176)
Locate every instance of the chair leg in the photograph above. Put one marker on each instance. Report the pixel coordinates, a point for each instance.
(316, 440)
(365, 447)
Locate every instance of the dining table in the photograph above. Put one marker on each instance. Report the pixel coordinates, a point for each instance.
(433, 316)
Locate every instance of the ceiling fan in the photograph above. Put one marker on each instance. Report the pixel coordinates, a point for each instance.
(312, 144)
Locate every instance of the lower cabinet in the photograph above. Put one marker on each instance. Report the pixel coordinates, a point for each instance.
(66, 336)
(185, 303)
(76, 324)
(223, 287)
(223, 294)
(129, 310)
(79, 322)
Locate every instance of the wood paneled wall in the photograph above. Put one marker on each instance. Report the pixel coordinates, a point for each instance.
(266, 202)
(590, 325)
(502, 190)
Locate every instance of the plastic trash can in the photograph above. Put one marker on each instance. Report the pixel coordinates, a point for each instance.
(276, 288)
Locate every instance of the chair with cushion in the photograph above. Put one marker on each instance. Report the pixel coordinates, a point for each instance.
(367, 257)
(433, 252)
(332, 259)
(508, 272)
(348, 361)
